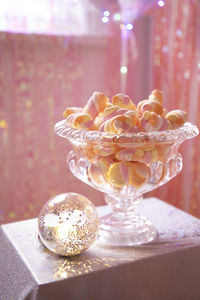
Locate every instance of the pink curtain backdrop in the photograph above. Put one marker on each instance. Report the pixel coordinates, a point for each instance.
(41, 75)
(176, 71)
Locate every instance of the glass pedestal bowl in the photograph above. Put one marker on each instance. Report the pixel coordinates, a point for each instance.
(125, 167)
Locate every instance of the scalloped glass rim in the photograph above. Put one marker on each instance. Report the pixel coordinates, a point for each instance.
(187, 131)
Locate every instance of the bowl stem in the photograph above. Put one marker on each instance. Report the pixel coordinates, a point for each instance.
(123, 226)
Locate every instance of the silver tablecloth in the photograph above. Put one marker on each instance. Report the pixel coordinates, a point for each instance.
(168, 268)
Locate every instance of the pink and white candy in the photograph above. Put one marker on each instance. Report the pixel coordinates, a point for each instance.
(70, 110)
(150, 105)
(80, 121)
(151, 121)
(140, 155)
(123, 101)
(96, 104)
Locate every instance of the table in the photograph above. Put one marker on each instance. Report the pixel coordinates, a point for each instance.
(168, 268)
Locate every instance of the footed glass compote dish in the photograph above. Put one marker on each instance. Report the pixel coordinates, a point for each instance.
(124, 167)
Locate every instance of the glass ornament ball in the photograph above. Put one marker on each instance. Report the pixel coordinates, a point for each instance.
(68, 224)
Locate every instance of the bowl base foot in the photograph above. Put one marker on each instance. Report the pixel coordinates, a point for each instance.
(132, 231)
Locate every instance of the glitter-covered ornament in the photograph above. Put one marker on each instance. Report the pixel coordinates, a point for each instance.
(68, 224)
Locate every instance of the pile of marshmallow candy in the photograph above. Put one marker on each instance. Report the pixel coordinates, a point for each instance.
(115, 164)
(122, 115)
